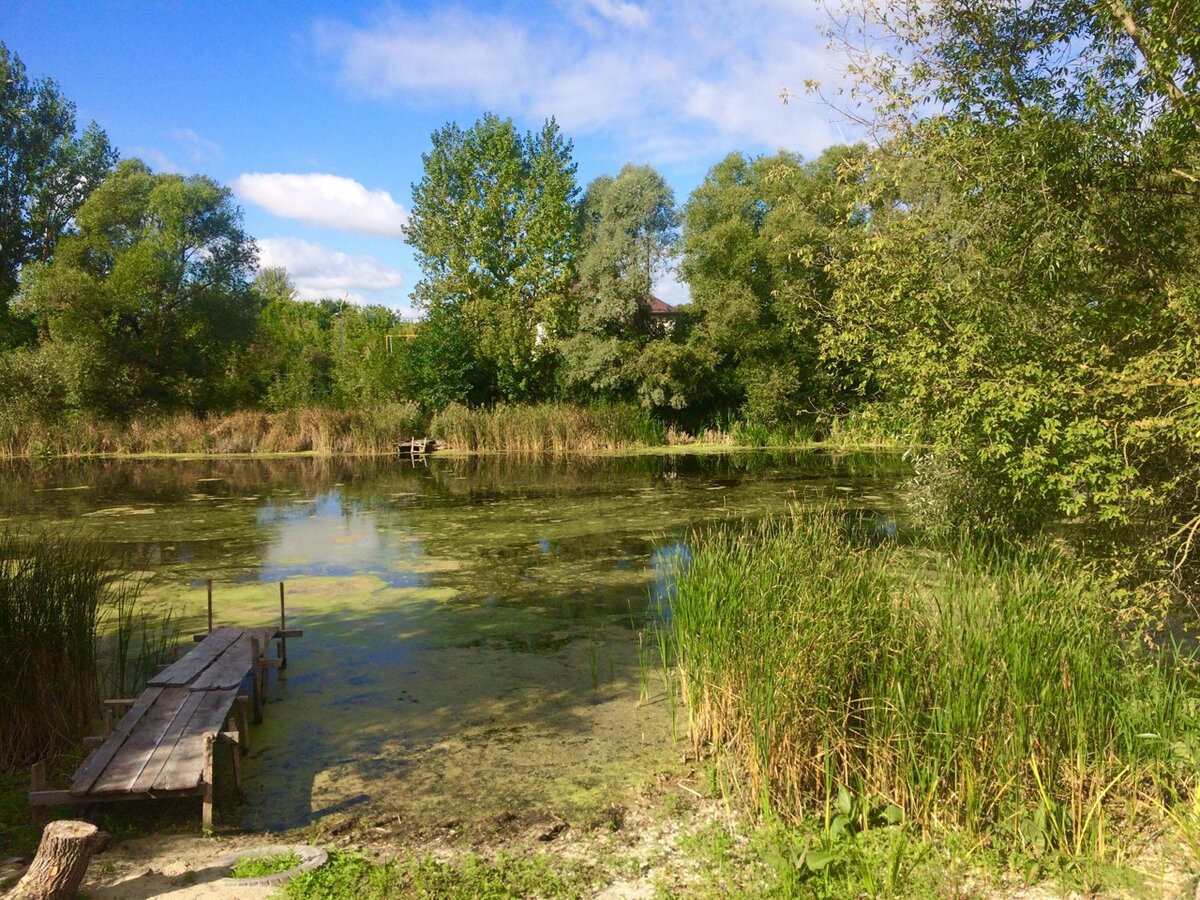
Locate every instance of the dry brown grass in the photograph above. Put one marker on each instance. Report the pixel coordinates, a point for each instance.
(373, 430)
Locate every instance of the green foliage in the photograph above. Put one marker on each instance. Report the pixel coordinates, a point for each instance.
(981, 688)
(441, 362)
(149, 300)
(492, 230)
(46, 172)
(1027, 285)
(759, 237)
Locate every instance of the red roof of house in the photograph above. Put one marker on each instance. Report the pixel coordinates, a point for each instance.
(661, 308)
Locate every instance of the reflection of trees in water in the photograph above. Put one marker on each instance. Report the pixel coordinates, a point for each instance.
(28, 487)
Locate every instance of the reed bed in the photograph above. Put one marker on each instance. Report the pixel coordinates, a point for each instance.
(72, 630)
(973, 688)
(546, 428)
(52, 593)
(369, 430)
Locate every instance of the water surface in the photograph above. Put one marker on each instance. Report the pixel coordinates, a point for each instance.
(477, 640)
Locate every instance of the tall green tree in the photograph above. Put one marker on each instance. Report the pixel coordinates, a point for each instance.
(151, 296)
(47, 169)
(493, 230)
(629, 231)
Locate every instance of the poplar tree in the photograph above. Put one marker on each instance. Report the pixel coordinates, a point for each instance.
(493, 229)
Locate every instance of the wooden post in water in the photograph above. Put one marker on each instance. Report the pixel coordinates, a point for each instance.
(256, 694)
(210, 606)
(282, 628)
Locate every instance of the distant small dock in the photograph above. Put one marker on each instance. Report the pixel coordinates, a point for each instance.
(163, 745)
(415, 448)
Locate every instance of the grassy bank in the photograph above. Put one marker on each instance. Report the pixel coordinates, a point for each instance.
(980, 691)
(547, 428)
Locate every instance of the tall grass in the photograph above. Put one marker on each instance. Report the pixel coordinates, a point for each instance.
(52, 591)
(140, 641)
(974, 688)
(369, 430)
(59, 594)
(546, 428)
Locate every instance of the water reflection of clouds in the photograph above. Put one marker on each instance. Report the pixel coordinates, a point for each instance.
(328, 536)
(667, 562)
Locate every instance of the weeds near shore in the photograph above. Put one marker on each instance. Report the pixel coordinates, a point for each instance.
(979, 689)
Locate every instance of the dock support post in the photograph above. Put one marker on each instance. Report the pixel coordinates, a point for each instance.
(210, 606)
(242, 718)
(255, 679)
(282, 628)
(206, 813)
(231, 738)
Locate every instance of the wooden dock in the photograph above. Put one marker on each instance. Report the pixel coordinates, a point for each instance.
(415, 448)
(163, 746)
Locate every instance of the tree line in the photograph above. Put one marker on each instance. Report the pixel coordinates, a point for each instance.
(1007, 272)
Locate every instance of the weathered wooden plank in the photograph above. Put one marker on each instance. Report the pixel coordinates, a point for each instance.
(184, 767)
(127, 765)
(229, 670)
(198, 660)
(98, 759)
(52, 798)
(158, 759)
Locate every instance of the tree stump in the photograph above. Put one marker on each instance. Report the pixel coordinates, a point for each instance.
(61, 861)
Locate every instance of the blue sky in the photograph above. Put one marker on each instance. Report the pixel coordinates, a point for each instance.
(316, 114)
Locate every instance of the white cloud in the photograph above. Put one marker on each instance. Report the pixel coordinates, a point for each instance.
(319, 271)
(199, 149)
(684, 79)
(451, 53)
(326, 200)
(629, 15)
(746, 100)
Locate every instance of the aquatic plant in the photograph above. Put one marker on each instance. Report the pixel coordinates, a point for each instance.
(141, 641)
(972, 687)
(52, 592)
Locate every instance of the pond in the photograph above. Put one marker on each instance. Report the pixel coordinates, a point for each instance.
(479, 631)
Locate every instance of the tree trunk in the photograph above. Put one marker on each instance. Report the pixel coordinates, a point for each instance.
(61, 861)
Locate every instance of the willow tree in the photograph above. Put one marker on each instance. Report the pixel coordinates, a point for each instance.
(629, 230)
(149, 299)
